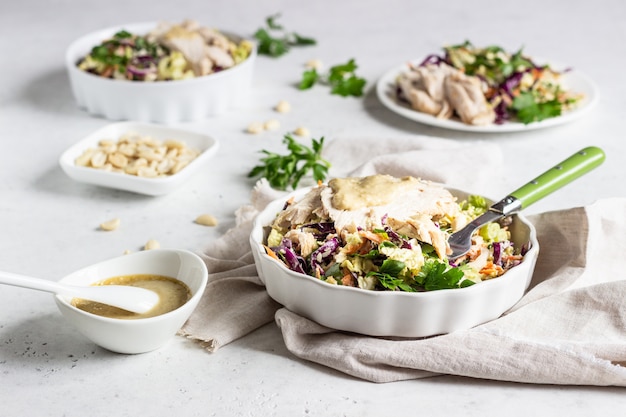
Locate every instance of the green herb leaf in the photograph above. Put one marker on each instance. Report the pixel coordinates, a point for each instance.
(529, 110)
(122, 34)
(392, 267)
(334, 271)
(303, 40)
(271, 22)
(388, 276)
(374, 253)
(269, 45)
(309, 78)
(274, 40)
(284, 171)
(342, 80)
(338, 72)
(352, 86)
(436, 275)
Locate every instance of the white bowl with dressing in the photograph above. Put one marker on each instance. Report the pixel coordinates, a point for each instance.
(131, 336)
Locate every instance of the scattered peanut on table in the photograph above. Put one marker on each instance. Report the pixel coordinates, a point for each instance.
(314, 64)
(283, 106)
(271, 124)
(110, 225)
(143, 156)
(152, 244)
(206, 220)
(255, 127)
(302, 131)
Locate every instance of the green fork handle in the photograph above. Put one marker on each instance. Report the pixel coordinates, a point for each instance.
(562, 174)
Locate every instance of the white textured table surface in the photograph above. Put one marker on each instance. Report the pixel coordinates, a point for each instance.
(48, 223)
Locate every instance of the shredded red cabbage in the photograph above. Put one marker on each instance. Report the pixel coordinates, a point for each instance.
(321, 255)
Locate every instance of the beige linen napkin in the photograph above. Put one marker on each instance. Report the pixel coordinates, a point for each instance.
(570, 327)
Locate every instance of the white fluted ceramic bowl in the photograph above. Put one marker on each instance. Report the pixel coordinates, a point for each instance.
(386, 313)
(160, 102)
(137, 335)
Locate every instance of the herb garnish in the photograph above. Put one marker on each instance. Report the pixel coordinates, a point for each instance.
(388, 276)
(529, 109)
(283, 171)
(341, 78)
(281, 42)
(436, 275)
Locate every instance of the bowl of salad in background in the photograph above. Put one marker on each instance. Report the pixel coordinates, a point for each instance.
(160, 72)
(370, 304)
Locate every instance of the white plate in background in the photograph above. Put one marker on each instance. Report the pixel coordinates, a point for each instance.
(572, 80)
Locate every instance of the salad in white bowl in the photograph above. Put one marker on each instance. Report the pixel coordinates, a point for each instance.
(386, 233)
(168, 52)
(395, 283)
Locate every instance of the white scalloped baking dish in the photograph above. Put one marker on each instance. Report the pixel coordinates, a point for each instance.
(160, 102)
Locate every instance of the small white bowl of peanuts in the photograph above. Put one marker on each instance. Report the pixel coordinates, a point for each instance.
(138, 157)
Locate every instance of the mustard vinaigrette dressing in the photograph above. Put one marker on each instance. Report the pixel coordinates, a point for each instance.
(172, 294)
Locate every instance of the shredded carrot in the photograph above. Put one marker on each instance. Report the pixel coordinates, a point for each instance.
(354, 248)
(271, 253)
(491, 269)
(348, 280)
(374, 237)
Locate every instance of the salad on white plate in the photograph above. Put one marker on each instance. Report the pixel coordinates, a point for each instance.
(485, 89)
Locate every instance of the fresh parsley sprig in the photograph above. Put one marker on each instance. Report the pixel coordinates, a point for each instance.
(341, 78)
(436, 275)
(275, 41)
(284, 171)
(389, 276)
(529, 109)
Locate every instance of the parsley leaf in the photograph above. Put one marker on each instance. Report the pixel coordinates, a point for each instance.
(388, 276)
(269, 45)
(392, 283)
(436, 275)
(352, 86)
(284, 171)
(309, 78)
(302, 40)
(271, 22)
(392, 267)
(341, 78)
(275, 41)
(529, 110)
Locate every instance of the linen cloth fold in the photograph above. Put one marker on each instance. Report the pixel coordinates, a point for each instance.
(569, 328)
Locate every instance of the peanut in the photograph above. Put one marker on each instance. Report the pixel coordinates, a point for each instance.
(255, 127)
(134, 154)
(152, 244)
(302, 131)
(206, 220)
(283, 106)
(110, 225)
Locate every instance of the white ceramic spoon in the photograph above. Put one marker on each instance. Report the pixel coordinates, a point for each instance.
(134, 299)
